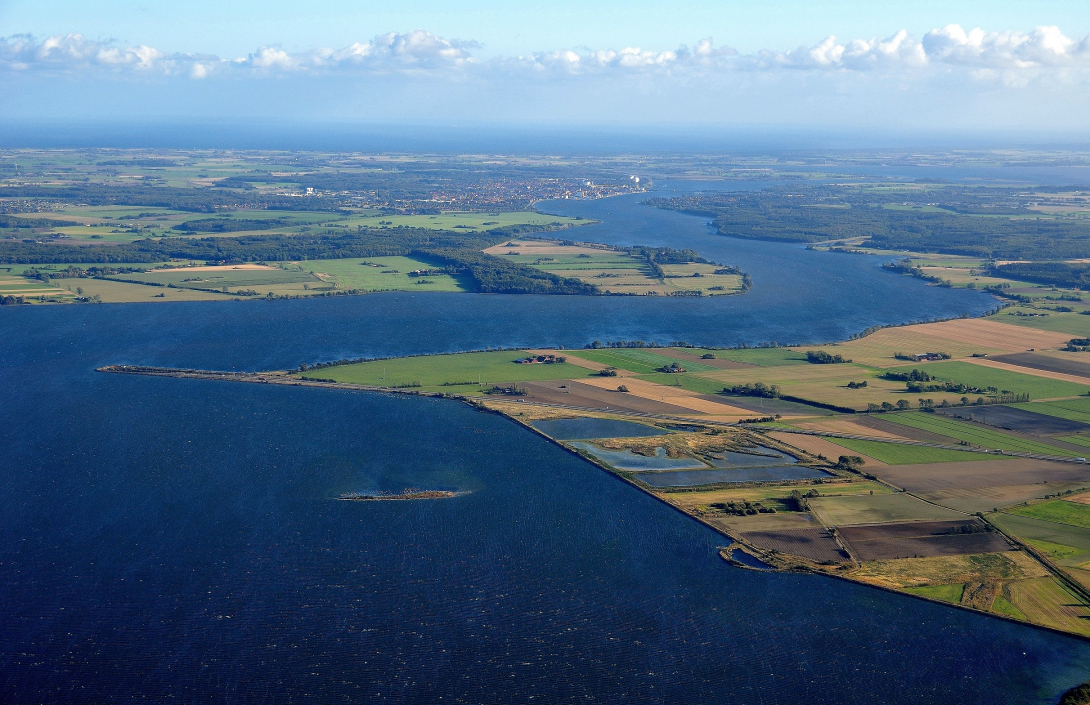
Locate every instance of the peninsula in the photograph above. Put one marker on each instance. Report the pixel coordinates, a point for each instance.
(943, 460)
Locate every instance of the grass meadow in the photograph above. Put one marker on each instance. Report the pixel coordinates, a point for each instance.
(901, 454)
(984, 377)
(460, 370)
(1058, 511)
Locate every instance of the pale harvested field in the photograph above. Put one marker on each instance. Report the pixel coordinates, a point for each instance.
(670, 395)
(839, 424)
(34, 292)
(1045, 602)
(867, 509)
(534, 247)
(1083, 498)
(815, 445)
(985, 499)
(995, 364)
(216, 268)
(690, 501)
(949, 570)
(780, 521)
(119, 292)
(960, 338)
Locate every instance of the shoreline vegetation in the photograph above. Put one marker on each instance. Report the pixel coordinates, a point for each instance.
(984, 506)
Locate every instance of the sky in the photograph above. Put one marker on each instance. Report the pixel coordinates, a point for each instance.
(921, 67)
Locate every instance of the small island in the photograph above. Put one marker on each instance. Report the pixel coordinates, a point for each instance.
(408, 493)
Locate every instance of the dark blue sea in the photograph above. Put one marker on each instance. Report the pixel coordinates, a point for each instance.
(179, 540)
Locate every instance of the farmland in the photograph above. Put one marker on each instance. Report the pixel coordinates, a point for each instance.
(984, 377)
(976, 435)
(620, 271)
(877, 508)
(1059, 512)
(898, 454)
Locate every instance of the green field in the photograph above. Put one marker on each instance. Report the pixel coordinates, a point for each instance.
(1075, 324)
(1002, 606)
(390, 274)
(1055, 551)
(762, 357)
(640, 361)
(1077, 440)
(984, 377)
(946, 593)
(441, 372)
(1059, 511)
(975, 434)
(187, 278)
(900, 454)
(1069, 545)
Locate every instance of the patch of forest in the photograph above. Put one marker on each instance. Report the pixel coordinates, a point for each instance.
(973, 221)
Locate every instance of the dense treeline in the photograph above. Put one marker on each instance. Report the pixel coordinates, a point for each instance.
(8, 221)
(231, 225)
(463, 251)
(1055, 273)
(944, 220)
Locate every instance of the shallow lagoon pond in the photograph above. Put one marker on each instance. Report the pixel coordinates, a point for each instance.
(581, 429)
(627, 460)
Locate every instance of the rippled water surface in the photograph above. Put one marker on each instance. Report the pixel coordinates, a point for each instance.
(179, 539)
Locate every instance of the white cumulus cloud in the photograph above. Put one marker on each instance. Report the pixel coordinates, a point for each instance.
(1015, 57)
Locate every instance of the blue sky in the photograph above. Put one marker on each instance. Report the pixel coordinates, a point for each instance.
(841, 64)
